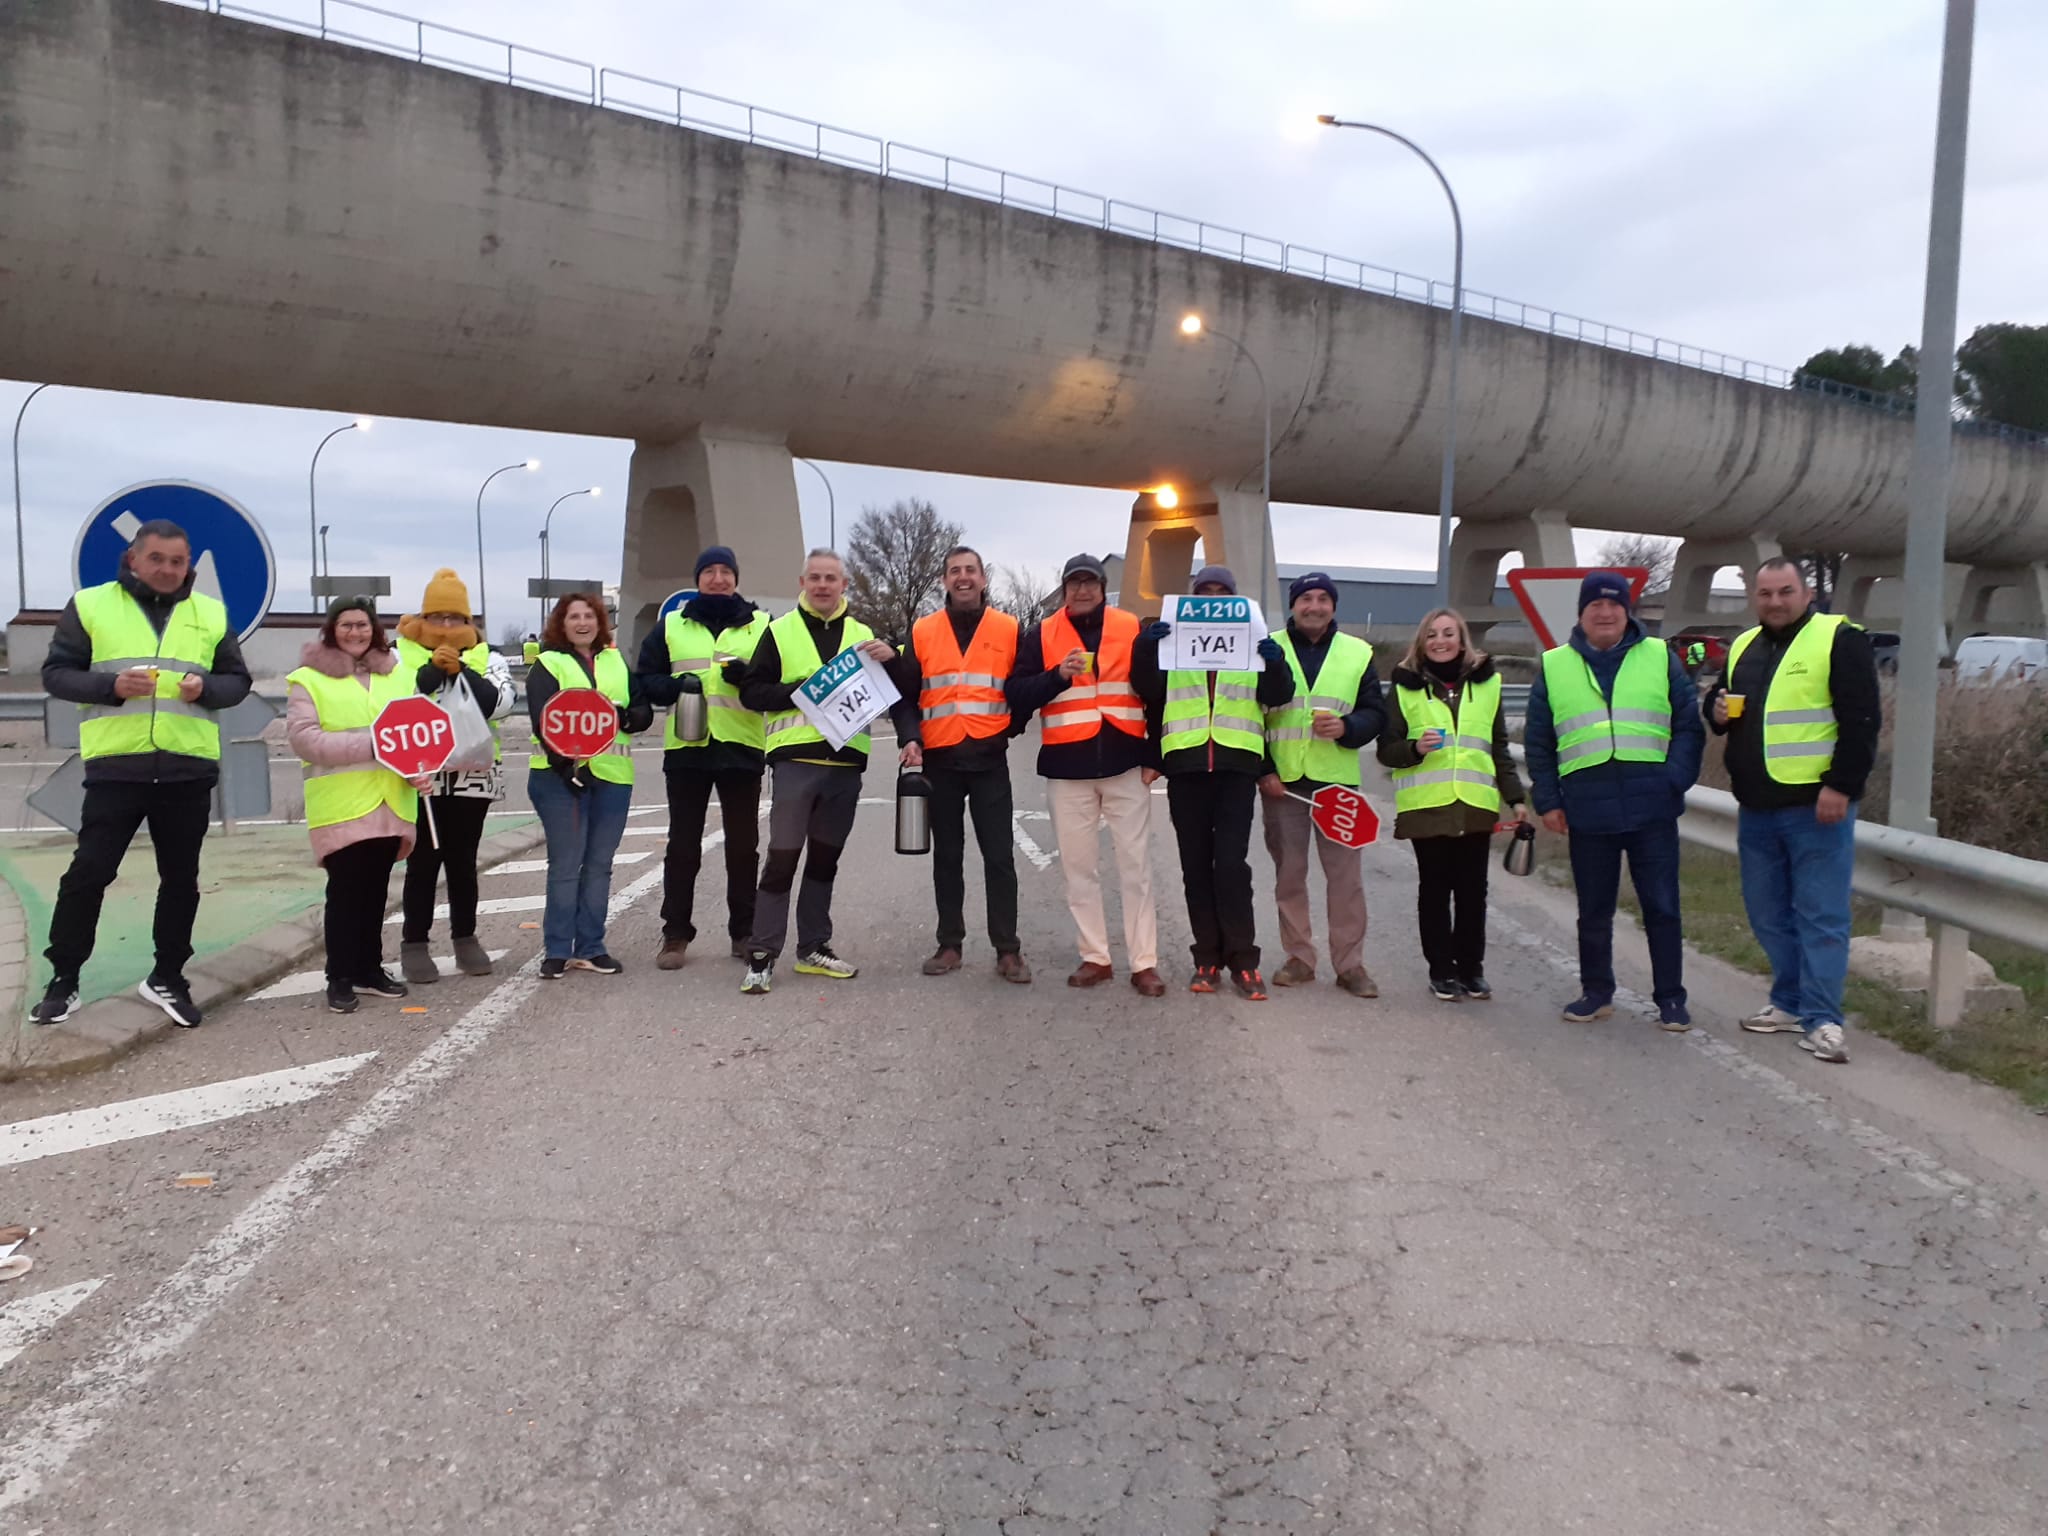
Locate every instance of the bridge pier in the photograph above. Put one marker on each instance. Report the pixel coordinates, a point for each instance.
(712, 487)
(1689, 602)
(1232, 528)
(1985, 582)
(1542, 537)
(1861, 574)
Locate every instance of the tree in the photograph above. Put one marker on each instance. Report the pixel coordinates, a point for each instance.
(895, 560)
(511, 635)
(1823, 574)
(2002, 375)
(1655, 555)
(1861, 367)
(1020, 592)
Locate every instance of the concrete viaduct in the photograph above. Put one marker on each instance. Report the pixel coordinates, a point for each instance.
(212, 208)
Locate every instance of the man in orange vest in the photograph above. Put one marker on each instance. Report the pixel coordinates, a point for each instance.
(1099, 760)
(964, 654)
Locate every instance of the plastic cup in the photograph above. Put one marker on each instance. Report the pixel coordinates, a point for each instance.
(1087, 661)
(1734, 705)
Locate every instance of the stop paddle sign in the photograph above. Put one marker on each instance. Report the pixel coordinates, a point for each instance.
(412, 737)
(579, 723)
(1343, 816)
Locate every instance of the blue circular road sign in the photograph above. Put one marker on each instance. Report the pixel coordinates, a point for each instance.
(231, 558)
(674, 601)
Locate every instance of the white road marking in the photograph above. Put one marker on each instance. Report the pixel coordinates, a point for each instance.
(490, 906)
(539, 866)
(644, 830)
(307, 983)
(47, 1435)
(26, 1140)
(23, 1322)
(1037, 855)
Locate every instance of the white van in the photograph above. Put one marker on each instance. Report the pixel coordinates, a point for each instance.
(2001, 658)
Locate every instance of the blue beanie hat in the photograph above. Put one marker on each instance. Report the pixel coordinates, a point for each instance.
(716, 554)
(1312, 581)
(1611, 585)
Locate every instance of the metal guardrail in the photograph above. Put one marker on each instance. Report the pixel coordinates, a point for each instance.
(427, 42)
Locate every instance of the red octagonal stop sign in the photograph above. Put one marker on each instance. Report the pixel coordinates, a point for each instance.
(578, 723)
(412, 737)
(1344, 816)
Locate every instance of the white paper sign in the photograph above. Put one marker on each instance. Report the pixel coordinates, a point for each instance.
(844, 696)
(1211, 634)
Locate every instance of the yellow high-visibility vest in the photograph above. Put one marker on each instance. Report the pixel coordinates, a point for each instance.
(1297, 751)
(615, 764)
(336, 795)
(122, 637)
(1634, 728)
(1463, 768)
(1800, 730)
(691, 647)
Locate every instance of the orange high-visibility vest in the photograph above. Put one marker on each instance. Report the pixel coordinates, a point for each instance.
(962, 696)
(1077, 713)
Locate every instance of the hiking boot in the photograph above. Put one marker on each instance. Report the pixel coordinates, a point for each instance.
(380, 983)
(1294, 974)
(1827, 1042)
(173, 994)
(1445, 990)
(341, 998)
(1588, 1008)
(944, 963)
(1771, 1020)
(554, 968)
(416, 964)
(670, 956)
(1673, 1018)
(1011, 967)
(472, 959)
(600, 962)
(58, 1001)
(1251, 986)
(1358, 982)
(1207, 978)
(1476, 988)
(760, 975)
(1149, 982)
(1089, 974)
(822, 962)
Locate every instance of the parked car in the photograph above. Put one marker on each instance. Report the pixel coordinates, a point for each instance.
(2001, 658)
(1714, 648)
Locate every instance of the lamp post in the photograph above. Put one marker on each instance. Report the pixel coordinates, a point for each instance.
(325, 568)
(360, 424)
(1191, 326)
(20, 547)
(545, 522)
(482, 606)
(831, 506)
(543, 578)
(1444, 487)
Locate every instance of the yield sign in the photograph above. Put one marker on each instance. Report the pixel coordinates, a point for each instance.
(1549, 596)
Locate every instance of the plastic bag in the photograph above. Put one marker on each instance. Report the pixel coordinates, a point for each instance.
(475, 747)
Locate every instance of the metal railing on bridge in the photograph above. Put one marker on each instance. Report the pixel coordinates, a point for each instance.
(428, 42)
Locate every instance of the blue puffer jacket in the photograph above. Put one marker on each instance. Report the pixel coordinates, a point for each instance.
(1615, 796)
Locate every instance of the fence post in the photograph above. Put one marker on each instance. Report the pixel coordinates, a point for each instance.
(1948, 975)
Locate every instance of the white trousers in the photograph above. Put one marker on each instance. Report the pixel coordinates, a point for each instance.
(1079, 807)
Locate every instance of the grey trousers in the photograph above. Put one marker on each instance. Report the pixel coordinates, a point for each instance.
(813, 810)
(1289, 836)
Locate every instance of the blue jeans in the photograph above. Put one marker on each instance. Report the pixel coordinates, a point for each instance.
(1795, 885)
(1653, 867)
(583, 832)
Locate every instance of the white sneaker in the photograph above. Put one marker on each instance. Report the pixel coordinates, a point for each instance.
(1826, 1042)
(1770, 1020)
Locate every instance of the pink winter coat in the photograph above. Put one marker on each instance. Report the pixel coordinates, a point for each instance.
(340, 749)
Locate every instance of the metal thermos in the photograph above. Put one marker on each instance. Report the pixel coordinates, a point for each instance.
(691, 712)
(913, 814)
(1521, 855)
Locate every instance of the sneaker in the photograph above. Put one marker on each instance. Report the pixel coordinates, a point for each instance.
(1207, 978)
(601, 963)
(1294, 974)
(760, 974)
(57, 1002)
(174, 995)
(822, 962)
(1673, 1018)
(1444, 989)
(381, 983)
(1771, 1020)
(553, 968)
(341, 997)
(1476, 988)
(1827, 1043)
(1251, 986)
(671, 954)
(1587, 1009)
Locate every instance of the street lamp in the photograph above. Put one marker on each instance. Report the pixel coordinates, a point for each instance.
(325, 568)
(1443, 503)
(20, 549)
(360, 424)
(831, 507)
(546, 521)
(527, 464)
(1191, 326)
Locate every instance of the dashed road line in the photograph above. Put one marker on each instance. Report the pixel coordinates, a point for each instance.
(23, 1322)
(308, 983)
(539, 866)
(1037, 855)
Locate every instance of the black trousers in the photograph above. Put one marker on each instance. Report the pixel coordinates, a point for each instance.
(986, 796)
(358, 885)
(739, 804)
(1452, 870)
(112, 814)
(459, 819)
(1212, 819)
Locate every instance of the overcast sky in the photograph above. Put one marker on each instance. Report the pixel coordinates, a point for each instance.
(1751, 177)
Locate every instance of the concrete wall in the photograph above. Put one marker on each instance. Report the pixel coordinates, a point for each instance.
(206, 207)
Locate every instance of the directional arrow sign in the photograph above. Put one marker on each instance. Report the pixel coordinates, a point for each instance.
(1549, 596)
(231, 558)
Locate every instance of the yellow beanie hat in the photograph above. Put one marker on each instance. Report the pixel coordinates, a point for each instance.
(446, 594)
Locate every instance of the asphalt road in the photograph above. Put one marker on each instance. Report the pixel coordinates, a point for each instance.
(911, 1254)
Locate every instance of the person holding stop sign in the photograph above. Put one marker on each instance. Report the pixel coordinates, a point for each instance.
(359, 814)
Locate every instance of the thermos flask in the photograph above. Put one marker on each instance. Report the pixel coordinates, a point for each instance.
(1521, 855)
(913, 813)
(691, 712)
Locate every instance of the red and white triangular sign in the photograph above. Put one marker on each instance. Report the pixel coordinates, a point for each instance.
(1549, 595)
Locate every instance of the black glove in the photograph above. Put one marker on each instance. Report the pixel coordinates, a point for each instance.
(1156, 631)
(734, 672)
(565, 770)
(690, 682)
(1269, 650)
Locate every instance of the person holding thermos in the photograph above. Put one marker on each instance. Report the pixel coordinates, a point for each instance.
(1447, 743)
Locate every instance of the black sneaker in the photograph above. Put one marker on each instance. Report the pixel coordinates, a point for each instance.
(174, 996)
(604, 965)
(381, 983)
(552, 968)
(341, 997)
(57, 1002)
(1476, 988)
(1445, 990)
